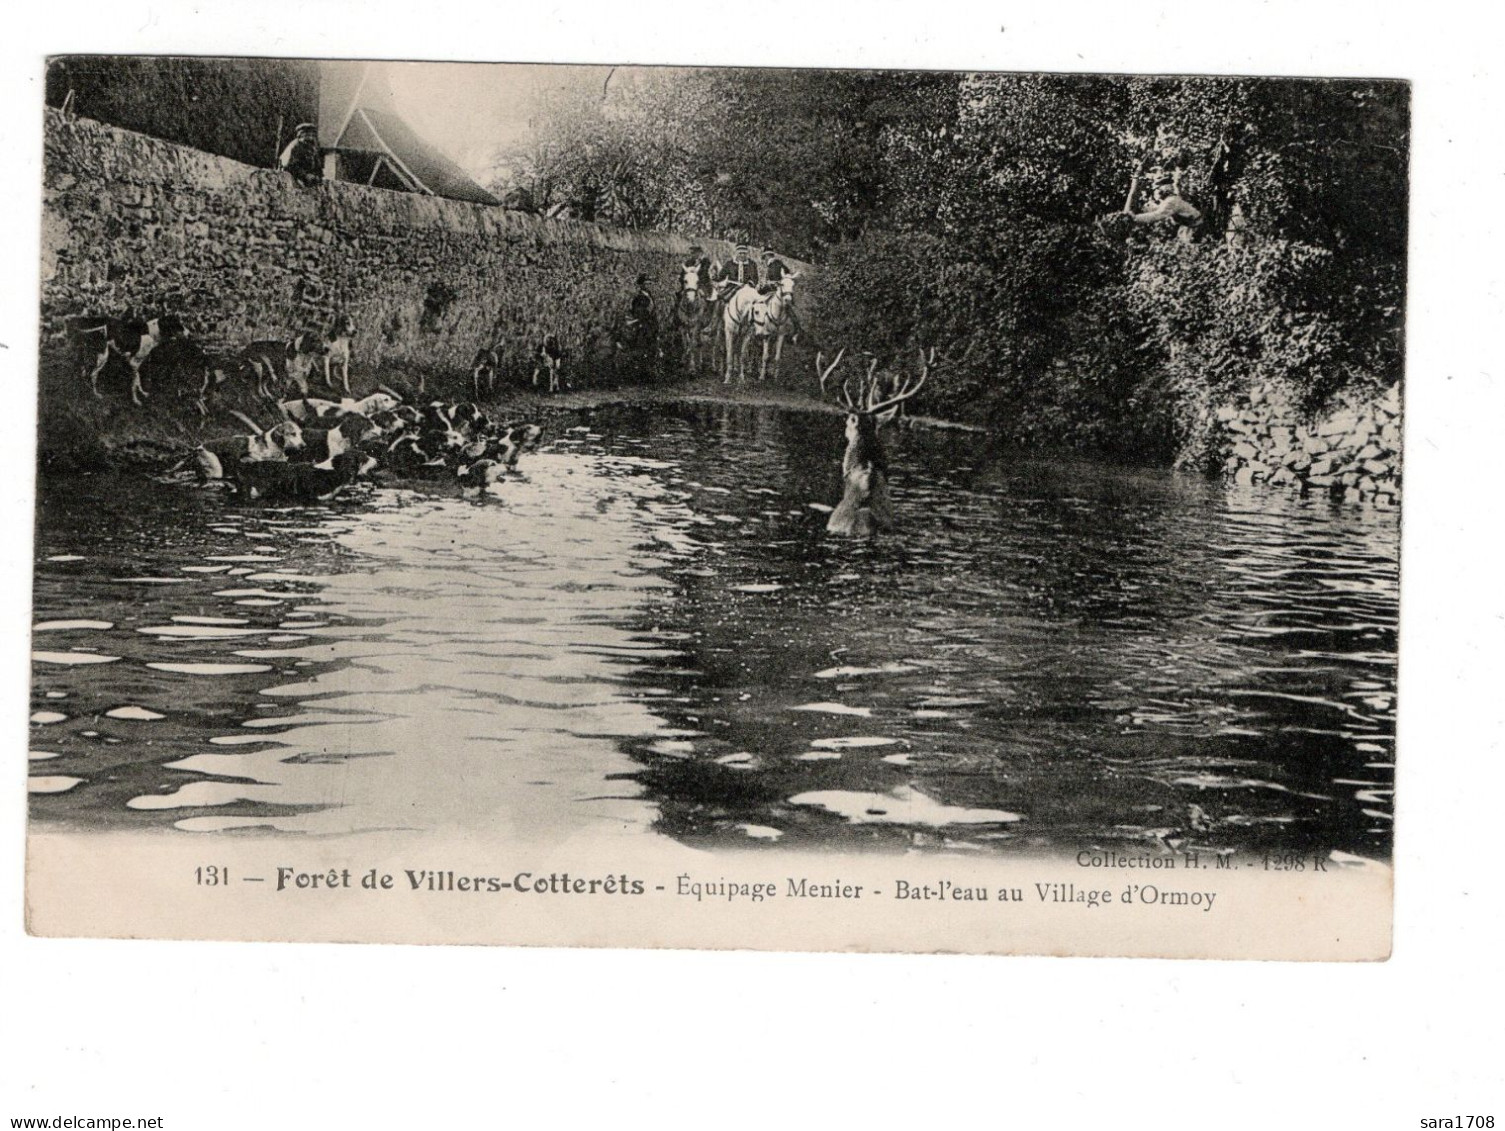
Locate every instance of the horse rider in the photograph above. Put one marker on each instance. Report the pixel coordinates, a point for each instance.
(697, 258)
(774, 269)
(741, 271)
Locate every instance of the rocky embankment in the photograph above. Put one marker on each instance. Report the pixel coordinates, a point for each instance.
(1352, 454)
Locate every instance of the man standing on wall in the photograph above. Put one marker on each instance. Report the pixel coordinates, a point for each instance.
(302, 157)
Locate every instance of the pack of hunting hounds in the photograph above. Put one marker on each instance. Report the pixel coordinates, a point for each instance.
(320, 446)
(317, 446)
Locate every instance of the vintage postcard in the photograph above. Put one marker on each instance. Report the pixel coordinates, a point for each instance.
(728, 508)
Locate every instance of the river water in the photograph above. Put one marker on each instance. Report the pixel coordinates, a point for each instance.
(649, 633)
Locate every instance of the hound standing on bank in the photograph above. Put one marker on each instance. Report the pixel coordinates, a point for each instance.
(337, 350)
(550, 357)
(130, 339)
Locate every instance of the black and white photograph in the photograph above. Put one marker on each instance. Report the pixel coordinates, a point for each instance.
(932, 466)
(781, 565)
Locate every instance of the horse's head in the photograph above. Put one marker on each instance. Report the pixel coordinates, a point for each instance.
(689, 278)
(786, 287)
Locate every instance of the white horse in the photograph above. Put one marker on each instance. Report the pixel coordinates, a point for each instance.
(750, 315)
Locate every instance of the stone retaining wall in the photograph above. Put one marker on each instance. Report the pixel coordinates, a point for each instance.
(134, 225)
(1353, 453)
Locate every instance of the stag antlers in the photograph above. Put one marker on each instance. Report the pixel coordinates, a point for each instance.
(869, 398)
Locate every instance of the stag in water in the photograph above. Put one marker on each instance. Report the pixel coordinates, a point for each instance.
(865, 509)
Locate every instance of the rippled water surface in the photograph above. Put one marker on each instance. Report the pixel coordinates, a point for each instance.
(649, 632)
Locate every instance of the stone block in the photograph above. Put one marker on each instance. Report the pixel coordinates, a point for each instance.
(1338, 424)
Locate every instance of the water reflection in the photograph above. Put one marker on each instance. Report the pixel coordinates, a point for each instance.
(408, 662)
(651, 632)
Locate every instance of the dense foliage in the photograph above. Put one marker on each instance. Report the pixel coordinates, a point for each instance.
(990, 215)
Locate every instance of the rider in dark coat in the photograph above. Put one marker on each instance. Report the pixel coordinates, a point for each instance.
(642, 321)
(739, 271)
(698, 259)
(775, 269)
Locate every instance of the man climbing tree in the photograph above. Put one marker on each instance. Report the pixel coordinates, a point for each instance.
(1168, 205)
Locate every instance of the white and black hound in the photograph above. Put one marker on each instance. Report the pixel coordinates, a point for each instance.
(275, 362)
(337, 350)
(550, 357)
(130, 339)
(485, 367)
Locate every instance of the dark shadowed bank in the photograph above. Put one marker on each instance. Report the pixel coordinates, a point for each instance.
(92, 437)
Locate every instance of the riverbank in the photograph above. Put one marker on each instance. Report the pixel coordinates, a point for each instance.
(88, 435)
(707, 390)
(1353, 455)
